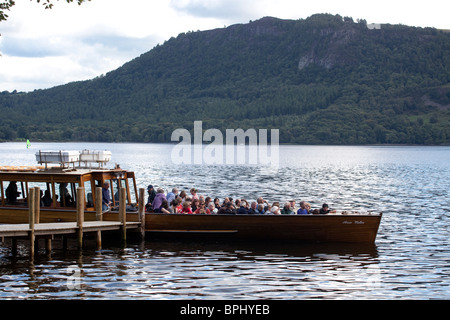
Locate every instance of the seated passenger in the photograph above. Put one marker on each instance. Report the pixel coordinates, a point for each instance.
(260, 209)
(66, 198)
(194, 193)
(217, 203)
(212, 208)
(179, 206)
(293, 207)
(225, 201)
(302, 209)
(12, 193)
(106, 197)
(47, 198)
(260, 200)
(151, 196)
(172, 195)
(160, 196)
(195, 204)
(275, 210)
(286, 209)
(164, 207)
(228, 208)
(202, 209)
(186, 208)
(207, 201)
(183, 196)
(253, 208)
(174, 206)
(243, 209)
(325, 209)
(308, 206)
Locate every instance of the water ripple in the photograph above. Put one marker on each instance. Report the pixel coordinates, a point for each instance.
(410, 260)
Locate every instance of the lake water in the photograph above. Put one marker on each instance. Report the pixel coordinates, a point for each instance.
(410, 259)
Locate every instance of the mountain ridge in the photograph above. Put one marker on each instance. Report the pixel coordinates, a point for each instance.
(382, 86)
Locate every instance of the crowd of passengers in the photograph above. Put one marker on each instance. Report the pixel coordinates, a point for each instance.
(181, 202)
(65, 200)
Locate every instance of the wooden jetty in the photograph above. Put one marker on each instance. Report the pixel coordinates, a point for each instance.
(34, 229)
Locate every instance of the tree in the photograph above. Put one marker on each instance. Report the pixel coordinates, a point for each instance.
(6, 5)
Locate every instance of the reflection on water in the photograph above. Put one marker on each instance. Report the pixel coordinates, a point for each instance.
(410, 259)
(194, 271)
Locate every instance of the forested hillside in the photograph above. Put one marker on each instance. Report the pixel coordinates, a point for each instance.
(321, 80)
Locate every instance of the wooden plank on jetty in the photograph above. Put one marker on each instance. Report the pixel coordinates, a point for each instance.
(80, 215)
(32, 217)
(98, 213)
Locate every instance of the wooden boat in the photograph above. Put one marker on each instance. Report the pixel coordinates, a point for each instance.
(361, 228)
(358, 228)
(63, 179)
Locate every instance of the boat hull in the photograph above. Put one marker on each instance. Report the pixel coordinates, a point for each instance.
(282, 228)
(305, 228)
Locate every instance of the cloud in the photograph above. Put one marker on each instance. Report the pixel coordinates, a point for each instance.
(431, 13)
(44, 63)
(31, 48)
(71, 43)
(26, 74)
(231, 10)
(43, 48)
(125, 46)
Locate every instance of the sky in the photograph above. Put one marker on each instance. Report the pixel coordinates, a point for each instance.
(45, 48)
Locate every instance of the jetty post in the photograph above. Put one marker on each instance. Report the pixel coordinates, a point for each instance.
(141, 206)
(37, 218)
(31, 218)
(98, 214)
(123, 213)
(80, 215)
(37, 204)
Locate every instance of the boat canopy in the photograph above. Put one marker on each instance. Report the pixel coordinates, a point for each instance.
(58, 183)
